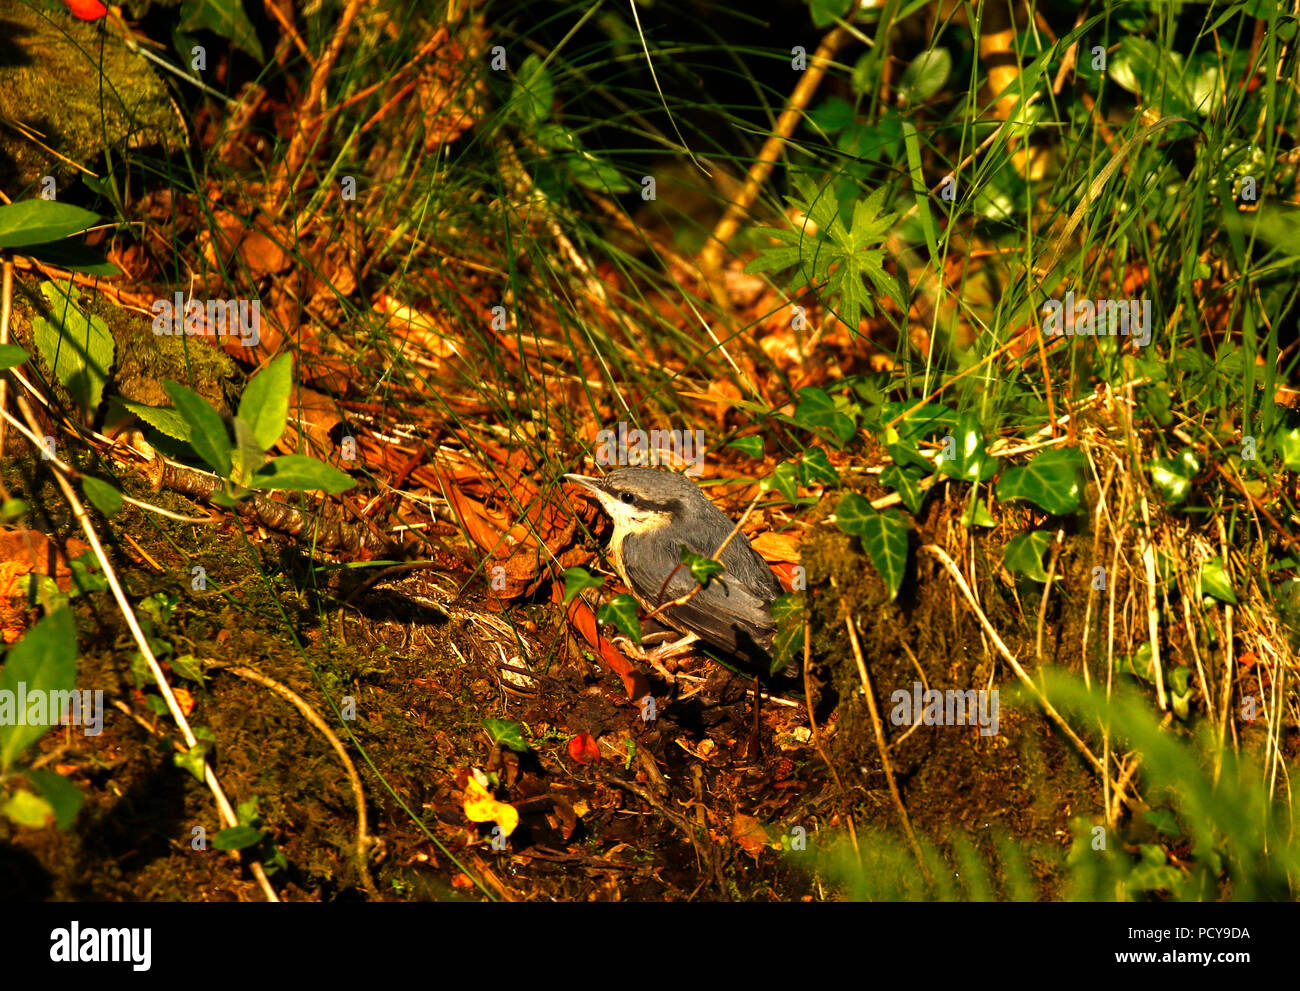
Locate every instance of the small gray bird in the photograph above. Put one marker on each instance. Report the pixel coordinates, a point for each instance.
(655, 513)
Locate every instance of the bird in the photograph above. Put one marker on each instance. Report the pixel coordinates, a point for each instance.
(656, 512)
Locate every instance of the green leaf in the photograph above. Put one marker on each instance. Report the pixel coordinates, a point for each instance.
(837, 258)
(208, 434)
(162, 418)
(824, 12)
(246, 456)
(192, 760)
(920, 422)
(702, 568)
(1024, 554)
(1288, 448)
(11, 355)
(223, 17)
(816, 468)
(264, 406)
(906, 482)
(971, 462)
(86, 576)
(620, 612)
(1053, 481)
(883, 536)
(29, 222)
(1216, 581)
(1173, 476)
(785, 479)
(816, 409)
(12, 510)
(506, 733)
(75, 257)
(533, 92)
(26, 809)
(977, 514)
(43, 661)
(885, 541)
(65, 798)
(237, 838)
(104, 497)
(752, 445)
(187, 666)
(301, 473)
(77, 348)
(924, 76)
(788, 613)
(578, 580)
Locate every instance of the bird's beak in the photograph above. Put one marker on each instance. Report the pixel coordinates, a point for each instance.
(591, 485)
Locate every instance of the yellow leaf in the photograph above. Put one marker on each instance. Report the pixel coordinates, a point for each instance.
(482, 807)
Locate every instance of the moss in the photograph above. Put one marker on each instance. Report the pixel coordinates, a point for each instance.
(54, 87)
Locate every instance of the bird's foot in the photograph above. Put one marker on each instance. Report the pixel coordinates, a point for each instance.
(663, 652)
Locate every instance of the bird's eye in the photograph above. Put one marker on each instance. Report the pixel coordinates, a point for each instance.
(626, 497)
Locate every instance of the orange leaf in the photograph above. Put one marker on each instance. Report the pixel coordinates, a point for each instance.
(583, 749)
(86, 10)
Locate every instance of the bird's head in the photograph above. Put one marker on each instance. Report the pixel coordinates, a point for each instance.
(638, 500)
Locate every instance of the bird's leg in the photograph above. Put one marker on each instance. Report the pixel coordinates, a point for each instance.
(656, 657)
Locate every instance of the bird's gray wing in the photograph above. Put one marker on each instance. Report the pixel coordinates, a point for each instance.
(727, 613)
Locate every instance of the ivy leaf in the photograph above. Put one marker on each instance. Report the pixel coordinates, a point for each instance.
(506, 733)
(208, 434)
(301, 473)
(223, 17)
(264, 406)
(620, 612)
(788, 614)
(578, 580)
(1173, 476)
(971, 462)
(77, 348)
(1216, 581)
(817, 410)
(785, 479)
(44, 660)
(1052, 481)
(702, 568)
(1024, 554)
(816, 468)
(883, 536)
(192, 759)
(906, 482)
(920, 421)
(29, 222)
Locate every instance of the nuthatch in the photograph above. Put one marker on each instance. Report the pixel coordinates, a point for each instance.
(656, 512)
